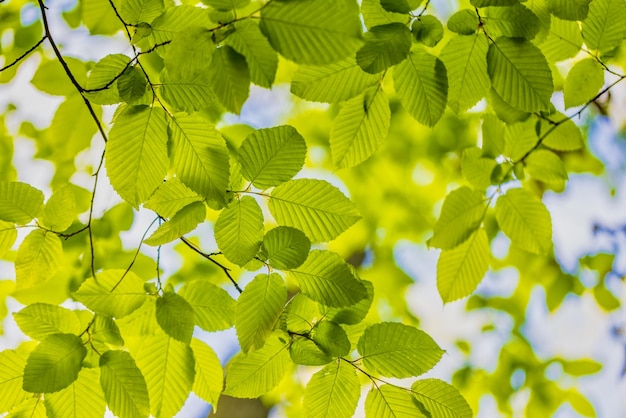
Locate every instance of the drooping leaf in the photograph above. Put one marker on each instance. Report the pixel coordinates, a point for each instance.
(360, 128)
(255, 373)
(602, 28)
(465, 58)
(312, 31)
(352, 315)
(388, 401)
(546, 166)
(239, 230)
(54, 364)
(11, 372)
(185, 221)
(200, 157)
(583, 82)
(262, 60)
(271, 156)
(461, 214)
(525, 219)
(306, 352)
(38, 258)
(331, 338)
(116, 293)
(421, 82)
(460, 270)
(83, 398)
(333, 391)
(441, 399)
(569, 9)
(136, 154)
(123, 385)
(326, 278)
(285, 247)
(332, 83)
(230, 78)
(171, 197)
(19, 202)
(168, 367)
(520, 74)
(60, 210)
(315, 207)
(41, 319)
(385, 45)
(175, 316)
(393, 349)
(258, 309)
(214, 308)
(209, 381)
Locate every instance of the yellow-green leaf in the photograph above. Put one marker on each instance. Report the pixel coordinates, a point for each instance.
(38, 258)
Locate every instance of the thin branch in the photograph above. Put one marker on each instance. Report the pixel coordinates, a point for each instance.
(25, 54)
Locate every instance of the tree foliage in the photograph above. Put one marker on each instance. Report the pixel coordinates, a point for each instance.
(475, 94)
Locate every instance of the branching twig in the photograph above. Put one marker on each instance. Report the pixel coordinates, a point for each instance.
(25, 54)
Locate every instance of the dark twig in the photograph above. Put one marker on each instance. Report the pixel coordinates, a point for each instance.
(209, 257)
(25, 54)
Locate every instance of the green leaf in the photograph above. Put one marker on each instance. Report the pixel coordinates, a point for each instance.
(106, 331)
(11, 372)
(477, 169)
(583, 82)
(51, 77)
(187, 92)
(525, 219)
(603, 29)
(312, 31)
(520, 74)
(285, 248)
(428, 30)
(580, 367)
(387, 401)
(315, 207)
(29, 408)
(8, 235)
(564, 40)
(116, 293)
(306, 352)
(262, 60)
(239, 230)
(209, 381)
(301, 314)
(258, 309)
(181, 18)
(258, 372)
(229, 77)
(200, 157)
(226, 4)
(460, 270)
(189, 53)
(54, 364)
(504, 110)
(60, 210)
(141, 322)
(38, 258)
(441, 399)
(123, 385)
(565, 137)
(19, 202)
(400, 6)
(392, 349)
(463, 22)
(175, 316)
(103, 77)
(326, 278)
(169, 369)
(352, 315)
(569, 9)
(374, 14)
(360, 128)
(385, 46)
(487, 3)
(99, 17)
(136, 154)
(271, 156)
(83, 398)
(516, 22)
(136, 11)
(331, 338)
(493, 136)
(171, 197)
(185, 221)
(132, 85)
(214, 308)
(519, 138)
(421, 82)
(461, 214)
(333, 391)
(332, 83)
(41, 319)
(546, 166)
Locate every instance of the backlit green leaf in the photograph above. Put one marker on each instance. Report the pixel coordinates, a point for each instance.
(583, 82)
(123, 385)
(83, 398)
(400, 6)
(564, 40)
(41, 319)
(428, 30)
(209, 381)
(603, 29)
(214, 308)
(177, 19)
(333, 391)
(441, 399)
(460, 270)
(326, 278)
(136, 11)
(546, 166)
(352, 315)
(239, 230)
(525, 219)
(387, 401)
(175, 316)
(38, 258)
(11, 372)
(312, 31)
(171, 197)
(385, 45)
(132, 85)
(262, 60)
(463, 22)
(8, 235)
(569, 9)
(393, 349)
(516, 22)
(519, 138)
(230, 78)
(461, 214)
(19, 202)
(477, 169)
(29, 408)
(374, 14)
(185, 221)
(486, 3)
(187, 92)
(226, 4)
(285, 247)
(315, 207)
(54, 364)
(258, 309)
(306, 352)
(189, 53)
(331, 338)
(565, 137)
(103, 77)
(60, 210)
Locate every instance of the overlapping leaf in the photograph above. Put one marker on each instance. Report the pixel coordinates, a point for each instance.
(175, 316)
(441, 399)
(123, 385)
(39, 320)
(603, 29)
(583, 82)
(388, 401)
(285, 247)
(385, 45)
(19, 202)
(239, 230)
(11, 372)
(214, 308)
(209, 380)
(83, 398)
(171, 197)
(38, 258)
(333, 391)
(229, 78)
(262, 60)
(461, 214)
(185, 221)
